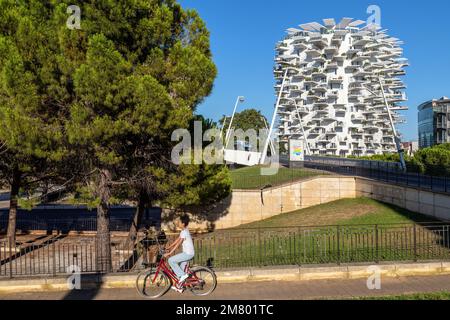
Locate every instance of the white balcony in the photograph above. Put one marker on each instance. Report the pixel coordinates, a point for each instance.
(302, 110)
(313, 52)
(333, 94)
(332, 50)
(358, 118)
(351, 68)
(340, 107)
(331, 66)
(352, 51)
(336, 80)
(319, 42)
(301, 46)
(318, 74)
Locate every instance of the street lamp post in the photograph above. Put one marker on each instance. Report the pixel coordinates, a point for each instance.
(239, 99)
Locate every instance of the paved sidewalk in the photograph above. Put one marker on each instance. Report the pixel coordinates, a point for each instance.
(279, 290)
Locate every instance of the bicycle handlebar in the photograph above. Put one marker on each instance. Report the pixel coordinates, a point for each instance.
(161, 247)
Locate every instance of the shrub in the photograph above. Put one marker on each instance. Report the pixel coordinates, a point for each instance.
(435, 161)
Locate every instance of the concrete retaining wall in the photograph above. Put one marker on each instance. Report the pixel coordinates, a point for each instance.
(432, 204)
(251, 206)
(247, 206)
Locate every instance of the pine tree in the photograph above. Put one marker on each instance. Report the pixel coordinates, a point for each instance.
(99, 103)
(145, 67)
(30, 98)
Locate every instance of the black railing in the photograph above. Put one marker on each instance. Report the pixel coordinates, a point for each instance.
(382, 171)
(54, 255)
(66, 218)
(356, 163)
(61, 225)
(324, 245)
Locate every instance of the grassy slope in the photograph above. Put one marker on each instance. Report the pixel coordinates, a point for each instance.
(251, 178)
(243, 246)
(343, 212)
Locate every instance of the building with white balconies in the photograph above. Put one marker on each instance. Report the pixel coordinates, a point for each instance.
(336, 80)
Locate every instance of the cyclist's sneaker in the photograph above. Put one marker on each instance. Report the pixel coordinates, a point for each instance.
(179, 290)
(184, 278)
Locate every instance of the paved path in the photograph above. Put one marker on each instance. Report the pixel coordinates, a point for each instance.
(267, 290)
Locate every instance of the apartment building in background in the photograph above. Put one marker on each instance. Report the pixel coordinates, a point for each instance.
(434, 122)
(410, 147)
(335, 77)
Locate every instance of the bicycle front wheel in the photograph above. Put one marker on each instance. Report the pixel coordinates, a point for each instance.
(203, 281)
(152, 286)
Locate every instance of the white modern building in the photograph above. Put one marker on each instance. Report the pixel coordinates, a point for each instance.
(341, 88)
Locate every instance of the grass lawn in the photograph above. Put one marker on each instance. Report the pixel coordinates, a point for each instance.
(343, 212)
(341, 231)
(417, 297)
(251, 178)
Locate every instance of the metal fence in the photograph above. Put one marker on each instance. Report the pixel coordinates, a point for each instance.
(60, 255)
(383, 173)
(65, 218)
(325, 245)
(64, 225)
(356, 163)
(345, 162)
(52, 255)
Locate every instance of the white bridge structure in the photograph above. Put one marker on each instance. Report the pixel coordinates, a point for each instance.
(245, 156)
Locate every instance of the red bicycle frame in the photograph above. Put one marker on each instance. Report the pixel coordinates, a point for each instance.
(163, 267)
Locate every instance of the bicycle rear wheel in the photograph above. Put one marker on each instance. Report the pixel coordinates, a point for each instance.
(203, 281)
(151, 286)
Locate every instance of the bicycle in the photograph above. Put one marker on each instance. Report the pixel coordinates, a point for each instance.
(153, 284)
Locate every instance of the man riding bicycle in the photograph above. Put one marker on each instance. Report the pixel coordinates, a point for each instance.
(179, 262)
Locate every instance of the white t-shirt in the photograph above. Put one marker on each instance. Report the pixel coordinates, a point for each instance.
(188, 244)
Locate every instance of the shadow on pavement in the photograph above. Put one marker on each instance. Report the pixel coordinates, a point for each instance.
(88, 290)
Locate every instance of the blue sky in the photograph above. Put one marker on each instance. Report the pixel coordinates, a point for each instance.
(244, 34)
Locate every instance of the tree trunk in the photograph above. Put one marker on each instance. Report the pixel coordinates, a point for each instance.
(13, 205)
(104, 263)
(137, 219)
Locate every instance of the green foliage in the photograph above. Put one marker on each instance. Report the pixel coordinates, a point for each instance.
(27, 203)
(390, 157)
(31, 96)
(105, 97)
(246, 120)
(445, 146)
(434, 161)
(193, 185)
(139, 70)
